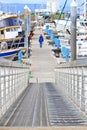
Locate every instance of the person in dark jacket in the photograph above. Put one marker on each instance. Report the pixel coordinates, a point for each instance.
(41, 39)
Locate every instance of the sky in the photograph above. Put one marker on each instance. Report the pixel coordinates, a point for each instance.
(23, 1)
(60, 5)
(36, 1)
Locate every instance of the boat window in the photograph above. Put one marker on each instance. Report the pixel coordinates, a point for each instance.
(15, 29)
(83, 24)
(8, 30)
(12, 29)
(2, 31)
(15, 20)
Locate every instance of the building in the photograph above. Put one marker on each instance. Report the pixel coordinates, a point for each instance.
(52, 5)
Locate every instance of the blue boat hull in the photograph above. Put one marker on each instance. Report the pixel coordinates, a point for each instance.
(9, 53)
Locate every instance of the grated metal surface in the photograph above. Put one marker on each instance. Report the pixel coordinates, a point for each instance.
(61, 111)
(31, 111)
(44, 105)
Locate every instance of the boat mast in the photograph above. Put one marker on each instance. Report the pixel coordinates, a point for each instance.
(85, 8)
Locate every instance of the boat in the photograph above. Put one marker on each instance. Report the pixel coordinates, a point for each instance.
(9, 54)
(63, 29)
(64, 33)
(11, 35)
(9, 27)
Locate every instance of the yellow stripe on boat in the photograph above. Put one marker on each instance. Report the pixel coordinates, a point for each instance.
(9, 27)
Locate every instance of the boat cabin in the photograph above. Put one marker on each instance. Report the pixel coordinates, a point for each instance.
(9, 27)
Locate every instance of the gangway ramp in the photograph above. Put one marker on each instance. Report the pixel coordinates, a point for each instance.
(43, 104)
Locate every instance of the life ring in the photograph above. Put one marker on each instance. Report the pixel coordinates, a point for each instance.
(3, 45)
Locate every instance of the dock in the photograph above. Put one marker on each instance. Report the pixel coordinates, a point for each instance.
(43, 62)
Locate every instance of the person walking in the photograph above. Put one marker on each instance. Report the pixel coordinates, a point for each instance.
(41, 39)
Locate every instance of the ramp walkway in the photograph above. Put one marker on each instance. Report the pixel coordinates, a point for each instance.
(43, 104)
(43, 62)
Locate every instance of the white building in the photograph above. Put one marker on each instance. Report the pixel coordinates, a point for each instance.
(85, 9)
(52, 5)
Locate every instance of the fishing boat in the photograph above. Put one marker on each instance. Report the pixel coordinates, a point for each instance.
(9, 27)
(10, 35)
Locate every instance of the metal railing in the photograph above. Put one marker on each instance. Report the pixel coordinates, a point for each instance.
(71, 78)
(13, 81)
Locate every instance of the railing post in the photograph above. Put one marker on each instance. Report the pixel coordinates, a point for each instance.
(0, 98)
(82, 93)
(78, 89)
(84, 90)
(70, 82)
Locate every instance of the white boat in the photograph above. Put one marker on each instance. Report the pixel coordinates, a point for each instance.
(9, 26)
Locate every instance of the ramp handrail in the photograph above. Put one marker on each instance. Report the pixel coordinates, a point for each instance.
(13, 81)
(72, 79)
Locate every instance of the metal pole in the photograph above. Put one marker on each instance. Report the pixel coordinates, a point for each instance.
(29, 21)
(73, 29)
(26, 28)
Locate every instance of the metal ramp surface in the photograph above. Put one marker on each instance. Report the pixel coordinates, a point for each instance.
(43, 105)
